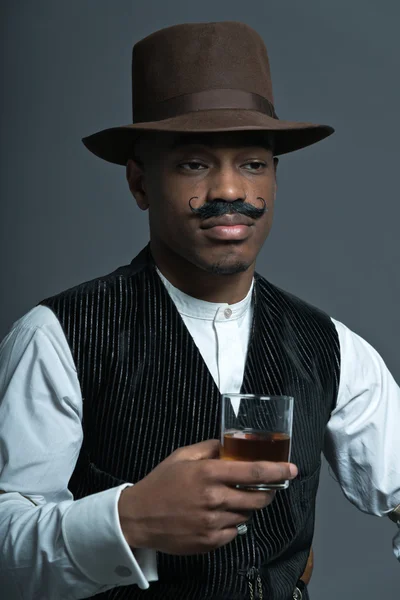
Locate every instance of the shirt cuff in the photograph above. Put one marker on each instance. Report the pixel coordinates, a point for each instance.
(96, 544)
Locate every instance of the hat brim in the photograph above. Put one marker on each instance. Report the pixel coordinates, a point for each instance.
(115, 145)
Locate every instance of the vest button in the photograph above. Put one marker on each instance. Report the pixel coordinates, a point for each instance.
(227, 313)
(123, 571)
(297, 594)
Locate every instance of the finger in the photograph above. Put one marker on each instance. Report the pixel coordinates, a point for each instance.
(199, 451)
(225, 536)
(228, 519)
(247, 501)
(232, 532)
(253, 473)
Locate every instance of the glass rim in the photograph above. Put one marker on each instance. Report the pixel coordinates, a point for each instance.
(259, 396)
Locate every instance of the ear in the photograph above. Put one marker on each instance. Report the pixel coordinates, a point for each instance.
(135, 178)
(276, 162)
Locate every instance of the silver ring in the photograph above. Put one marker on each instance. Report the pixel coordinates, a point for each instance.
(242, 528)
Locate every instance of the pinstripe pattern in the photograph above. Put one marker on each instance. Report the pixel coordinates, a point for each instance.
(147, 391)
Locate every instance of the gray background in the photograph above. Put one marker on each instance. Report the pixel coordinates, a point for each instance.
(67, 216)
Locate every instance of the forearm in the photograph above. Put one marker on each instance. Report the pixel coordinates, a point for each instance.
(72, 549)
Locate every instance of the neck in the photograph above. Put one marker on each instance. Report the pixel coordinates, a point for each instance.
(199, 283)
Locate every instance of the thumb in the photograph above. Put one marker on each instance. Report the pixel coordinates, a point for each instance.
(199, 451)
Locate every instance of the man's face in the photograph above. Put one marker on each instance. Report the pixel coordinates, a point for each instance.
(218, 171)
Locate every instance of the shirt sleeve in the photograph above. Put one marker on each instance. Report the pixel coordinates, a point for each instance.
(72, 549)
(362, 443)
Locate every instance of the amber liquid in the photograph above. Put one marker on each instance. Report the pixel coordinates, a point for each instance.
(256, 445)
(251, 445)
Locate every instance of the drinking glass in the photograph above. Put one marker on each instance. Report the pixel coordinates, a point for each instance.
(255, 427)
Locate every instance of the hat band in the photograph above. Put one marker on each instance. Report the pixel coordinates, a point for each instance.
(206, 100)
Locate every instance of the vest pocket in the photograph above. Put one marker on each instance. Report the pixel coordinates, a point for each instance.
(304, 493)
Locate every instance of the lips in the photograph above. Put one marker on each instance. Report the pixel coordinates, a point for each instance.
(227, 221)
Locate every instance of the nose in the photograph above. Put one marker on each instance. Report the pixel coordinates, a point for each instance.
(226, 185)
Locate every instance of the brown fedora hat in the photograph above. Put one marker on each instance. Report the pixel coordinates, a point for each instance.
(202, 77)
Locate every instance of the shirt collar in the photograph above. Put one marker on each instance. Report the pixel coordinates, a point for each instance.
(201, 309)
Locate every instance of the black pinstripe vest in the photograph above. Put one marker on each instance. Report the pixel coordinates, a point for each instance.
(147, 391)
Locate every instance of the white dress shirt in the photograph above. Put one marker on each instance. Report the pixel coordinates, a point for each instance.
(55, 547)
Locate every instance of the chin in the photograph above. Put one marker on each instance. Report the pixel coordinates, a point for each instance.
(227, 268)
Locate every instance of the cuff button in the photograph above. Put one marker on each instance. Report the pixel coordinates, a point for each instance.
(123, 571)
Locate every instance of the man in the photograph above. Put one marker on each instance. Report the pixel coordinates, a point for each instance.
(118, 381)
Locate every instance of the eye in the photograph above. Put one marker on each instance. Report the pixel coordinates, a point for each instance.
(255, 165)
(192, 165)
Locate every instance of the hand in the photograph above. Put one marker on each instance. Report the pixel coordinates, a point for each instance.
(309, 568)
(188, 504)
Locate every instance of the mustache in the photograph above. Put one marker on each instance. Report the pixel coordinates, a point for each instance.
(218, 208)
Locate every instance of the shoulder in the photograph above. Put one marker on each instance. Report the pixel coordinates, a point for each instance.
(102, 285)
(291, 305)
(88, 288)
(34, 340)
(39, 319)
(356, 352)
